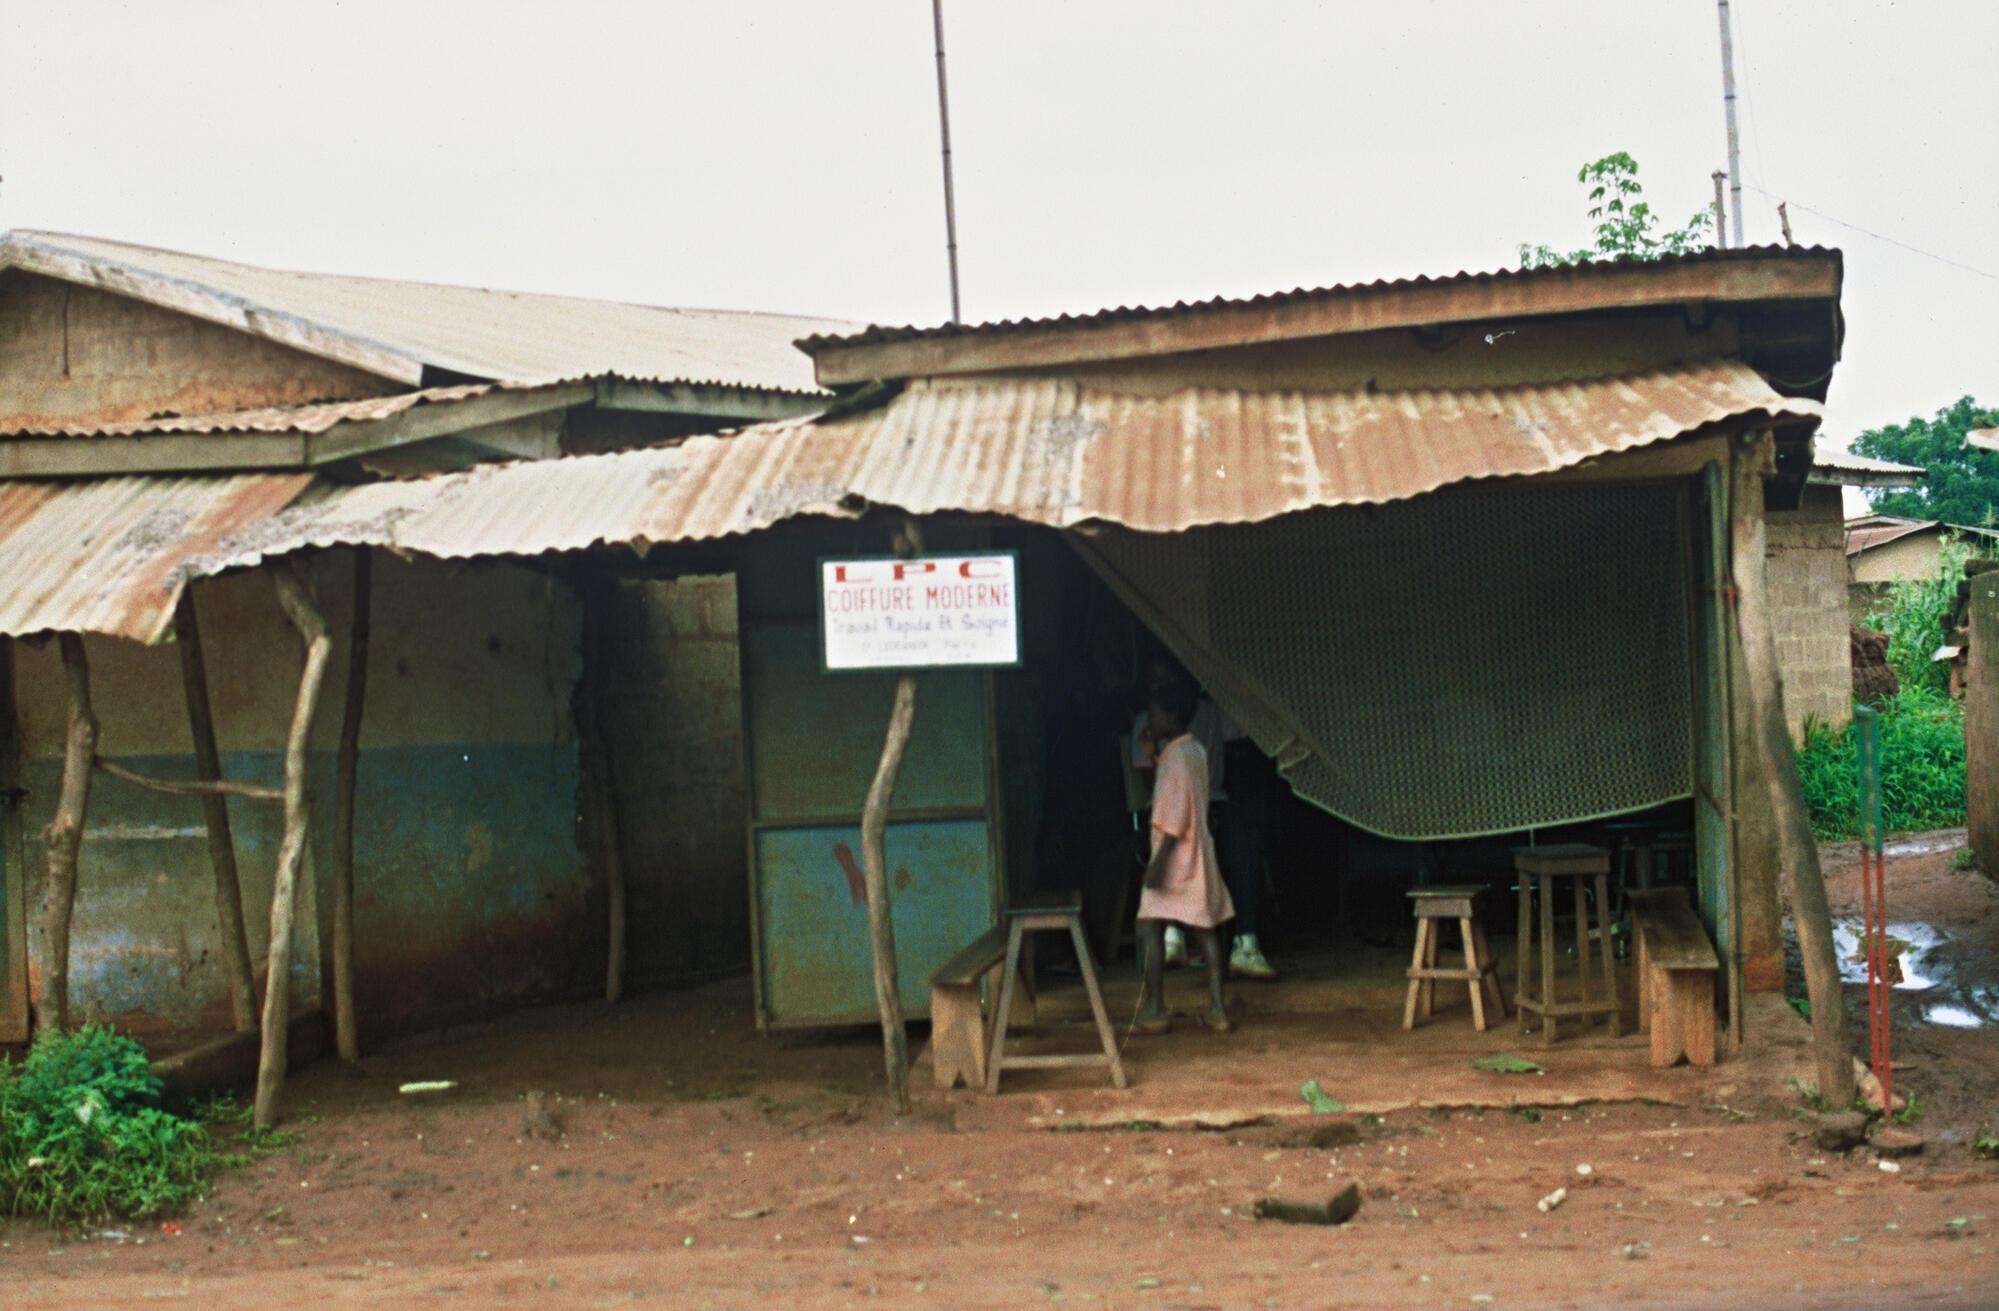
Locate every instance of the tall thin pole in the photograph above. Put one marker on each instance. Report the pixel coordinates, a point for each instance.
(1720, 214)
(1728, 109)
(944, 128)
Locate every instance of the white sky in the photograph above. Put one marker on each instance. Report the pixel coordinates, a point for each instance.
(783, 155)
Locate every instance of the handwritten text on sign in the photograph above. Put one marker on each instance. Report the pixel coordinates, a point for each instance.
(934, 610)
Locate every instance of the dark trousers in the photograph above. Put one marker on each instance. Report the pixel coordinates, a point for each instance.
(1239, 849)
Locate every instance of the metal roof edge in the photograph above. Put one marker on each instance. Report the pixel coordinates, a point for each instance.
(34, 254)
(936, 341)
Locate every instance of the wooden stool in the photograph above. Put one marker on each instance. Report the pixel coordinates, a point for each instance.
(1539, 867)
(1061, 912)
(1434, 905)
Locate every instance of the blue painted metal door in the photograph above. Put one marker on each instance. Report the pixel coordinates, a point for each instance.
(812, 741)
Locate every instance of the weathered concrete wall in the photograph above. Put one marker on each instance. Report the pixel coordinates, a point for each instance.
(76, 353)
(1918, 555)
(1808, 600)
(471, 890)
(675, 732)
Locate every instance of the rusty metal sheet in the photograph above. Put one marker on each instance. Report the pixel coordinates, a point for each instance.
(111, 555)
(408, 330)
(314, 418)
(1042, 451)
(1836, 466)
(881, 333)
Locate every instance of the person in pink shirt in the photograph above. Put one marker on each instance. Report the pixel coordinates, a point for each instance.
(1183, 884)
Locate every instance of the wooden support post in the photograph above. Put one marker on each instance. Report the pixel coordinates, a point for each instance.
(299, 607)
(1798, 856)
(1981, 723)
(64, 835)
(874, 869)
(600, 802)
(346, 1027)
(235, 939)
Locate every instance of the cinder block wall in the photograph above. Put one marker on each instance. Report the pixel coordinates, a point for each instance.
(675, 732)
(1808, 604)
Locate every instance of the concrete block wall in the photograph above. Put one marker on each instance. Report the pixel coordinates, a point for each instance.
(675, 731)
(1808, 605)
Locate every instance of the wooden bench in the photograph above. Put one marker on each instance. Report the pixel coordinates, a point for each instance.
(1676, 971)
(958, 1037)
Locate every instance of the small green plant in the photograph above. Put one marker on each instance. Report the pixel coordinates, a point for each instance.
(1911, 1111)
(1986, 1145)
(1964, 859)
(1318, 1099)
(1802, 1005)
(1623, 226)
(83, 1137)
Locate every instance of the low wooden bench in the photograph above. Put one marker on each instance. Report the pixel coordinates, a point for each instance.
(1676, 971)
(958, 1037)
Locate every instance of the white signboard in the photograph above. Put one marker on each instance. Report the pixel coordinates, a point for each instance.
(930, 611)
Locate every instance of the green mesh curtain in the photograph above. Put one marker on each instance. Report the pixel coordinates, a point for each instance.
(1474, 661)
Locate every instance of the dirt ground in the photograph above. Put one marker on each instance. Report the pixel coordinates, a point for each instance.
(701, 1165)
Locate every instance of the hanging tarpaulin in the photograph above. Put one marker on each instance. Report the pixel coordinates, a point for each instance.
(1474, 661)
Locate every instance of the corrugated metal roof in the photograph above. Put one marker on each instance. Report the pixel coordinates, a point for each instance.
(275, 419)
(398, 329)
(111, 555)
(1873, 535)
(1833, 464)
(907, 332)
(1043, 451)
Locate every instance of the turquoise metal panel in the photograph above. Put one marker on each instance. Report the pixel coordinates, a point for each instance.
(816, 964)
(1713, 770)
(815, 737)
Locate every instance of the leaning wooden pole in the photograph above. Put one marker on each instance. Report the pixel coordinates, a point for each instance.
(305, 616)
(346, 1030)
(599, 796)
(1798, 855)
(64, 835)
(874, 870)
(215, 814)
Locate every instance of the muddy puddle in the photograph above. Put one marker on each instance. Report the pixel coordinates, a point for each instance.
(1936, 979)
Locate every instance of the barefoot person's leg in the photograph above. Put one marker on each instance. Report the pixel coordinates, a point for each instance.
(1152, 946)
(1217, 1017)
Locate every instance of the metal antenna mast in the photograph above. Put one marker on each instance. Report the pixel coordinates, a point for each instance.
(1728, 107)
(944, 127)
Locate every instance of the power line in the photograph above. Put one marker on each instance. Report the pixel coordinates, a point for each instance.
(1869, 232)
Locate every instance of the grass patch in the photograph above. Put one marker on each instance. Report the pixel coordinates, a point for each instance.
(1922, 768)
(83, 1137)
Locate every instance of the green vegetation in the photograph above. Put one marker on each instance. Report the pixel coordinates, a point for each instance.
(1913, 613)
(1506, 1063)
(1922, 728)
(1624, 225)
(83, 1137)
(1922, 768)
(1961, 485)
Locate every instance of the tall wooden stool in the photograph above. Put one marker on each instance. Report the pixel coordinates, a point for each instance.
(1061, 912)
(1434, 905)
(1540, 868)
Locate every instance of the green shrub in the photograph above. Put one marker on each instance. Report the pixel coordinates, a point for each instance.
(1922, 768)
(1912, 615)
(83, 1137)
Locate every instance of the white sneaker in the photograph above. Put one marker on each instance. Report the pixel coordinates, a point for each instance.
(1176, 945)
(1246, 959)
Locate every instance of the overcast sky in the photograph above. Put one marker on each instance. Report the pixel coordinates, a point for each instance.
(783, 155)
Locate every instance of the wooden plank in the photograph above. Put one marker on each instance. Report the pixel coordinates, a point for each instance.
(215, 818)
(972, 960)
(1334, 313)
(1981, 722)
(958, 1033)
(743, 404)
(347, 767)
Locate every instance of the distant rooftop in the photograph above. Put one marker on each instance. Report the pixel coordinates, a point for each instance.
(425, 334)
